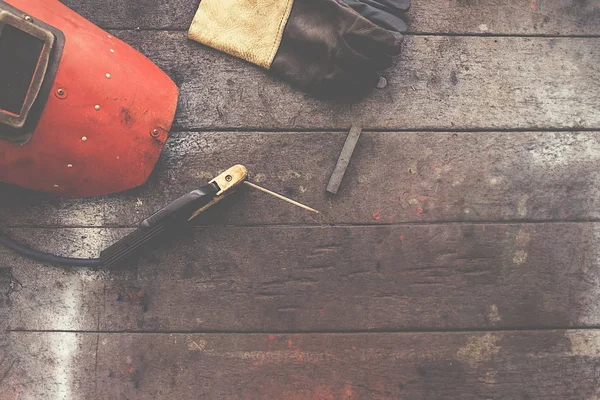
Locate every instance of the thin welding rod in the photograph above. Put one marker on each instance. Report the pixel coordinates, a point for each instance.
(262, 189)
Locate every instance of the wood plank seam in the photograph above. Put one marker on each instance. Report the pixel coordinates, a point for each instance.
(312, 332)
(407, 34)
(325, 225)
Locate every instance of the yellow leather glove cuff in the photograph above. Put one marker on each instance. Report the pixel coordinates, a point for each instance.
(247, 29)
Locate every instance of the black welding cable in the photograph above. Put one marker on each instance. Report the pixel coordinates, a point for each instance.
(176, 211)
(45, 257)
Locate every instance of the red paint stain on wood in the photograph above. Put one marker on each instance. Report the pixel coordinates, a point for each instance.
(348, 390)
(376, 216)
(301, 392)
(140, 293)
(534, 6)
(271, 337)
(402, 238)
(300, 358)
(131, 370)
(419, 210)
(322, 392)
(290, 343)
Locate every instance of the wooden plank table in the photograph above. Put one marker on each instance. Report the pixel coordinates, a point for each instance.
(459, 259)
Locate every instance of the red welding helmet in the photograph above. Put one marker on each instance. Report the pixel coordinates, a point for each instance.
(81, 112)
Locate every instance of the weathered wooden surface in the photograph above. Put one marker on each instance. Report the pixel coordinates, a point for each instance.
(439, 82)
(6, 288)
(7, 360)
(406, 277)
(493, 365)
(513, 17)
(49, 366)
(393, 178)
(440, 230)
(62, 299)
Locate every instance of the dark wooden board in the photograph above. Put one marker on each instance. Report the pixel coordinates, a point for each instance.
(393, 178)
(438, 83)
(49, 366)
(7, 359)
(421, 366)
(254, 279)
(7, 362)
(6, 287)
(424, 237)
(56, 298)
(513, 17)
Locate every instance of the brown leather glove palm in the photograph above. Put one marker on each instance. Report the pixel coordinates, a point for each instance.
(323, 46)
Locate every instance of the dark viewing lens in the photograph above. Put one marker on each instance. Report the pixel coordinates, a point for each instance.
(19, 56)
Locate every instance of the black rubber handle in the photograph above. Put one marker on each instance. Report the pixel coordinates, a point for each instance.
(174, 215)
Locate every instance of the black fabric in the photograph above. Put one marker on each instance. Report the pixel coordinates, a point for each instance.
(331, 50)
(387, 14)
(396, 7)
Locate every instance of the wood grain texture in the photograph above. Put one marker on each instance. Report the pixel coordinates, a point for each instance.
(57, 298)
(49, 366)
(437, 83)
(493, 365)
(393, 178)
(7, 361)
(406, 277)
(512, 17)
(6, 288)
(421, 256)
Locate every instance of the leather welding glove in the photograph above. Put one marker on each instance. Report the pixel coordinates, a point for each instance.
(322, 46)
(389, 14)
